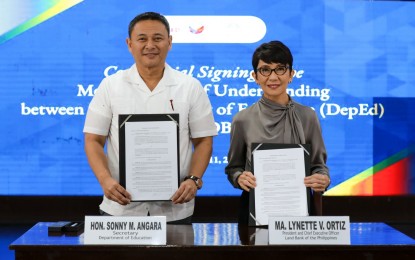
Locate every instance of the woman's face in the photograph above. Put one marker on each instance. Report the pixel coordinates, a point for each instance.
(274, 79)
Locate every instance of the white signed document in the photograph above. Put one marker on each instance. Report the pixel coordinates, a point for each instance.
(151, 159)
(280, 187)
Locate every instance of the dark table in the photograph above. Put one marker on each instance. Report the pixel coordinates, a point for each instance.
(218, 241)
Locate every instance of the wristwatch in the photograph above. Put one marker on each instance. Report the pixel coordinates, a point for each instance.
(198, 181)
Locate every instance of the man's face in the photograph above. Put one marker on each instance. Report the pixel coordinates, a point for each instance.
(149, 44)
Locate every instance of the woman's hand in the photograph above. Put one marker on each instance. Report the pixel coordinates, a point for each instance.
(318, 182)
(247, 181)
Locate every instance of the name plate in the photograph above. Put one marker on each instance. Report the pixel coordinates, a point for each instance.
(309, 230)
(123, 230)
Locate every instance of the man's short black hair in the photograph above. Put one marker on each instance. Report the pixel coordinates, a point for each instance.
(148, 16)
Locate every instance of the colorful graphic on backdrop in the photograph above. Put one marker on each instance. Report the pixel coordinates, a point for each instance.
(20, 16)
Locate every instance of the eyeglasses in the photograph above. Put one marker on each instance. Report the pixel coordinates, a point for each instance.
(265, 71)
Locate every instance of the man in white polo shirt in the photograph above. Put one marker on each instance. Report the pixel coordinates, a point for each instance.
(150, 86)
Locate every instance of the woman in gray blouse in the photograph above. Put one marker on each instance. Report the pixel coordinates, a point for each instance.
(275, 118)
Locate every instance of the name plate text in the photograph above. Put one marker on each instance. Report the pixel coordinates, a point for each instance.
(123, 230)
(309, 230)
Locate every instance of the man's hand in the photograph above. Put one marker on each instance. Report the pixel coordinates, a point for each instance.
(114, 191)
(185, 193)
